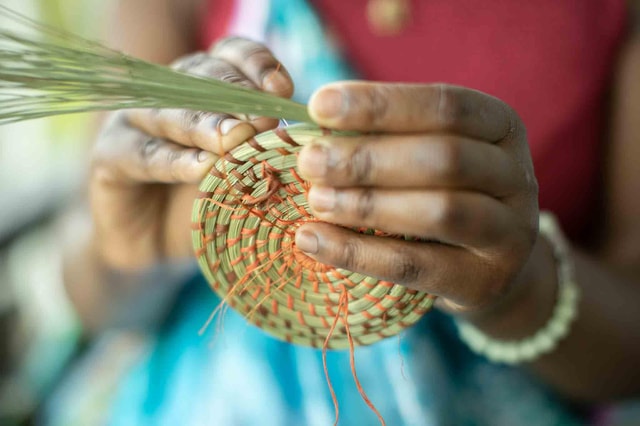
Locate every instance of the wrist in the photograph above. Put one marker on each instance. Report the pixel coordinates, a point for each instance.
(513, 349)
(529, 305)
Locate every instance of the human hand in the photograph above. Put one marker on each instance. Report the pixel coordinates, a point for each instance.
(447, 165)
(147, 163)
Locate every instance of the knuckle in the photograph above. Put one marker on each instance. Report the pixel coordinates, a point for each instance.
(174, 158)
(190, 130)
(147, 150)
(449, 212)
(102, 174)
(262, 59)
(222, 70)
(234, 77)
(231, 42)
(349, 255)
(247, 50)
(205, 65)
(252, 57)
(259, 55)
(360, 165)
(191, 119)
(450, 159)
(190, 62)
(365, 205)
(405, 269)
(450, 108)
(377, 107)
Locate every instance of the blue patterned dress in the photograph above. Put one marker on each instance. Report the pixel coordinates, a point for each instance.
(237, 375)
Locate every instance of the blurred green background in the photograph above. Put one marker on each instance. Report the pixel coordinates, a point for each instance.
(42, 168)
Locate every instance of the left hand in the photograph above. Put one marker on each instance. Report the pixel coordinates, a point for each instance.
(445, 164)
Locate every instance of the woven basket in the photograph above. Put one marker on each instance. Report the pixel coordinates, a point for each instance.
(244, 223)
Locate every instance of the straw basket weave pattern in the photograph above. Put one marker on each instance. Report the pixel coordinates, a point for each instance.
(243, 227)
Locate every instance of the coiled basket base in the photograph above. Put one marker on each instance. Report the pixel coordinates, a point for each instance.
(244, 222)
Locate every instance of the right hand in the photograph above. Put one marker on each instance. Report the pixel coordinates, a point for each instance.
(147, 163)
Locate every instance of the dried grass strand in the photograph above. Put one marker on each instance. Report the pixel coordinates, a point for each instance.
(54, 72)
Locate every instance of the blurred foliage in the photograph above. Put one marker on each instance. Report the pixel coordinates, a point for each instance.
(83, 17)
(42, 166)
(78, 16)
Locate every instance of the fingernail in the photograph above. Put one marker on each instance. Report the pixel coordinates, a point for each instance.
(227, 125)
(327, 103)
(322, 198)
(275, 82)
(313, 161)
(204, 156)
(307, 242)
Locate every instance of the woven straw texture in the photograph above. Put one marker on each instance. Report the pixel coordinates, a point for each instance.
(244, 223)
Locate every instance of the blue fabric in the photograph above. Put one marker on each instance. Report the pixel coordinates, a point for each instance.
(237, 375)
(297, 38)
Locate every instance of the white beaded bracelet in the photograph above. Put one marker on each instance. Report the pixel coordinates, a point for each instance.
(547, 338)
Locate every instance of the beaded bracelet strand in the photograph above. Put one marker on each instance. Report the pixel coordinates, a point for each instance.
(547, 338)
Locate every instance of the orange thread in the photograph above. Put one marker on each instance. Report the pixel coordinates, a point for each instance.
(352, 362)
(289, 301)
(325, 346)
(300, 317)
(271, 74)
(272, 176)
(268, 293)
(240, 286)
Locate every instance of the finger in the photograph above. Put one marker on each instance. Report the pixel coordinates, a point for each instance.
(435, 268)
(426, 161)
(206, 65)
(216, 133)
(388, 107)
(218, 68)
(205, 130)
(257, 62)
(459, 218)
(131, 155)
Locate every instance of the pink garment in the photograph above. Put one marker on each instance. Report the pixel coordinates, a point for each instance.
(551, 60)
